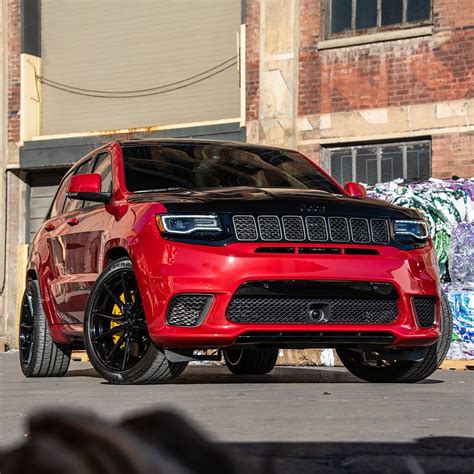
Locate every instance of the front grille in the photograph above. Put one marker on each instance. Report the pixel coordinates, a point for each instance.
(273, 228)
(425, 311)
(297, 310)
(188, 309)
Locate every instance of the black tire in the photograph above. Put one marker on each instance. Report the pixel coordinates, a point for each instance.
(404, 371)
(40, 356)
(147, 364)
(250, 361)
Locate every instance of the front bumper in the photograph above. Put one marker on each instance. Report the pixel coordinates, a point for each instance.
(167, 269)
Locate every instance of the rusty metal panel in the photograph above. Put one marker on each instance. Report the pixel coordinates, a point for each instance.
(118, 45)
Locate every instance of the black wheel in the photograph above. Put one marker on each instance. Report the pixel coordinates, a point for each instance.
(250, 361)
(116, 334)
(402, 371)
(40, 356)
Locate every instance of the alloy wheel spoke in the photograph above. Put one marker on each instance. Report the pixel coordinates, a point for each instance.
(126, 289)
(117, 301)
(107, 316)
(109, 332)
(27, 327)
(116, 346)
(126, 355)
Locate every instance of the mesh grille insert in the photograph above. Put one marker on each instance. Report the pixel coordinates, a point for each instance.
(245, 228)
(269, 227)
(379, 231)
(293, 228)
(360, 230)
(338, 229)
(425, 311)
(187, 310)
(316, 227)
(295, 310)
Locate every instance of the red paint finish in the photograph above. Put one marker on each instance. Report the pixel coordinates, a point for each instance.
(85, 183)
(68, 259)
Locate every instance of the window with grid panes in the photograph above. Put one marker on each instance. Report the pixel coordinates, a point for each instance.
(361, 16)
(371, 164)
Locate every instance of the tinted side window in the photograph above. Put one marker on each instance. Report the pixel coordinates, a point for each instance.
(59, 198)
(103, 166)
(73, 204)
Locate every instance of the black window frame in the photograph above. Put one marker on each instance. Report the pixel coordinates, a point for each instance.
(378, 28)
(405, 144)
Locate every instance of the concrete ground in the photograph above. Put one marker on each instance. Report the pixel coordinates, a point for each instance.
(300, 417)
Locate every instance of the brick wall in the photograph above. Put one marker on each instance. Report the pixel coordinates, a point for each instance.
(453, 154)
(393, 73)
(13, 70)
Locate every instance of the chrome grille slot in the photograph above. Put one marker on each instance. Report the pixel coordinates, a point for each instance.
(245, 228)
(360, 230)
(269, 228)
(316, 228)
(293, 228)
(338, 229)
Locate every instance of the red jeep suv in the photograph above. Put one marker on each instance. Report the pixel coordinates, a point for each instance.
(158, 252)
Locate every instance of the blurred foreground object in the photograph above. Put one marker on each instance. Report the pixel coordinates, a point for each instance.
(78, 442)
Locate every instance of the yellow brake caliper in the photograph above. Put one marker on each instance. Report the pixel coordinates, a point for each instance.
(117, 312)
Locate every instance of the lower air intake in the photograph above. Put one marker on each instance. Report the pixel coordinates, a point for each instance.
(188, 309)
(425, 311)
(301, 310)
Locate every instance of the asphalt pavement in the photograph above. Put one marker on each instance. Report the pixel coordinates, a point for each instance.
(303, 415)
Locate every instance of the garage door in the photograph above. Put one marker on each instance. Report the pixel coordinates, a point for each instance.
(40, 200)
(115, 48)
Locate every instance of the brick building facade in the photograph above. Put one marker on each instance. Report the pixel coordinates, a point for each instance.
(391, 98)
(385, 86)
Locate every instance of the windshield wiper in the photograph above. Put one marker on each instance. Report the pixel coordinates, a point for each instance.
(160, 190)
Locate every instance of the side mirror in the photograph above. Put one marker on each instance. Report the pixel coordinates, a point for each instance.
(355, 189)
(87, 187)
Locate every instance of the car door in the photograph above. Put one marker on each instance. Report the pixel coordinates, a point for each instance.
(83, 241)
(50, 252)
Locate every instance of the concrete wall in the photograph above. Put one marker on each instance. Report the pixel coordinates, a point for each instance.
(400, 84)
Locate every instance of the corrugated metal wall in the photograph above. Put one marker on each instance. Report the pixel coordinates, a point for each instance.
(129, 45)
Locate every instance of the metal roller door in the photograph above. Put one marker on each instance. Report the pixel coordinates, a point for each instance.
(128, 46)
(40, 200)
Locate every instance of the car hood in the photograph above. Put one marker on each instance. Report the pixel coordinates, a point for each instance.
(249, 200)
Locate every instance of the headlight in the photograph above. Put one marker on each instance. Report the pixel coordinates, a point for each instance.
(184, 224)
(411, 231)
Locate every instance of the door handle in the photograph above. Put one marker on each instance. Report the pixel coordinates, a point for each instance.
(73, 221)
(50, 227)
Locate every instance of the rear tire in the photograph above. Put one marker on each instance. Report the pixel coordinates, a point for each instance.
(116, 334)
(40, 356)
(404, 371)
(250, 361)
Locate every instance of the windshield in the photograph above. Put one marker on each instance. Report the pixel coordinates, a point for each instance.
(169, 166)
